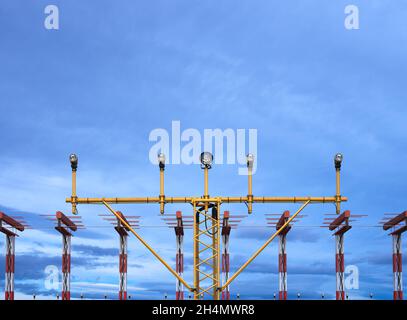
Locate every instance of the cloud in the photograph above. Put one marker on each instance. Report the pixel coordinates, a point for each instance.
(315, 268)
(94, 251)
(295, 234)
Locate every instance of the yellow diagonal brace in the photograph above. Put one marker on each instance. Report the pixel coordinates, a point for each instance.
(264, 245)
(204, 249)
(201, 242)
(206, 260)
(207, 290)
(124, 222)
(205, 232)
(207, 275)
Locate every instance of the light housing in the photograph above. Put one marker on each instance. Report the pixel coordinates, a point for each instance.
(250, 160)
(338, 160)
(73, 159)
(206, 160)
(161, 160)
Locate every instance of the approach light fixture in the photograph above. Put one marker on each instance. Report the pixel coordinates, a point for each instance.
(250, 160)
(161, 160)
(73, 158)
(338, 160)
(206, 160)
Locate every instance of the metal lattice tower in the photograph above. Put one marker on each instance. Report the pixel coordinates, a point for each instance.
(225, 254)
(9, 226)
(397, 267)
(10, 264)
(179, 257)
(340, 267)
(122, 264)
(122, 225)
(282, 255)
(395, 224)
(64, 226)
(206, 248)
(66, 267)
(341, 226)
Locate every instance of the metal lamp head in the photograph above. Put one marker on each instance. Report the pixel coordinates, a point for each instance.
(206, 160)
(161, 160)
(338, 160)
(73, 159)
(250, 160)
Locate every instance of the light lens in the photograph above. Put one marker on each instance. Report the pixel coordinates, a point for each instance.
(206, 159)
(73, 158)
(250, 160)
(161, 158)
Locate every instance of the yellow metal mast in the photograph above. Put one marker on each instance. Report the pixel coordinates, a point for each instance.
(206, 230)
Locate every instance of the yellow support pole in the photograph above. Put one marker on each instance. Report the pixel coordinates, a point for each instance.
(338, 191)
(264, 246)
(196, 253)
(250, 190)
(219, 255)
(146, 245)
(162, 195)
(74, 197)
(206, 187)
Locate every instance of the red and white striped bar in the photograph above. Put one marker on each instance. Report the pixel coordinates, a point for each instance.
(123, 266)
(63, 224)
(10, 251)
(123, 234)
(179, 259)
(397, 267)
(393, 223)
(225, 254)
(340, 267)
(66, 266)
(341, 225)
(282, 255)
(10, 263)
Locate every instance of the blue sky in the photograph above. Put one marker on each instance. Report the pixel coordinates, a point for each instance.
(116, 70)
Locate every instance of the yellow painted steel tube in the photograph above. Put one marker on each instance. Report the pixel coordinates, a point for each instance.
(264, 246)
(338, 191)
(221, 199)
(196, 255)
(250, 190)
(162, 195)
(124, 222)
(206, 187)
(218, 285)
(206, 192)
(73, 197)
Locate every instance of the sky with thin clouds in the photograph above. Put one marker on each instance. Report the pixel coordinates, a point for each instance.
(116, 70)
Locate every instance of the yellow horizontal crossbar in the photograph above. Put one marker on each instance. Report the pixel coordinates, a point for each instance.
(195, 199)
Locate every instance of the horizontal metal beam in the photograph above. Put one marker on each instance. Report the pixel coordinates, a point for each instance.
(339, 220)
(396, 220)
(191, 199)
(11, 222)
(66, 221)
(63, 231)
(399, 230)
(8, 232)
(284, 217)
(342, 230)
